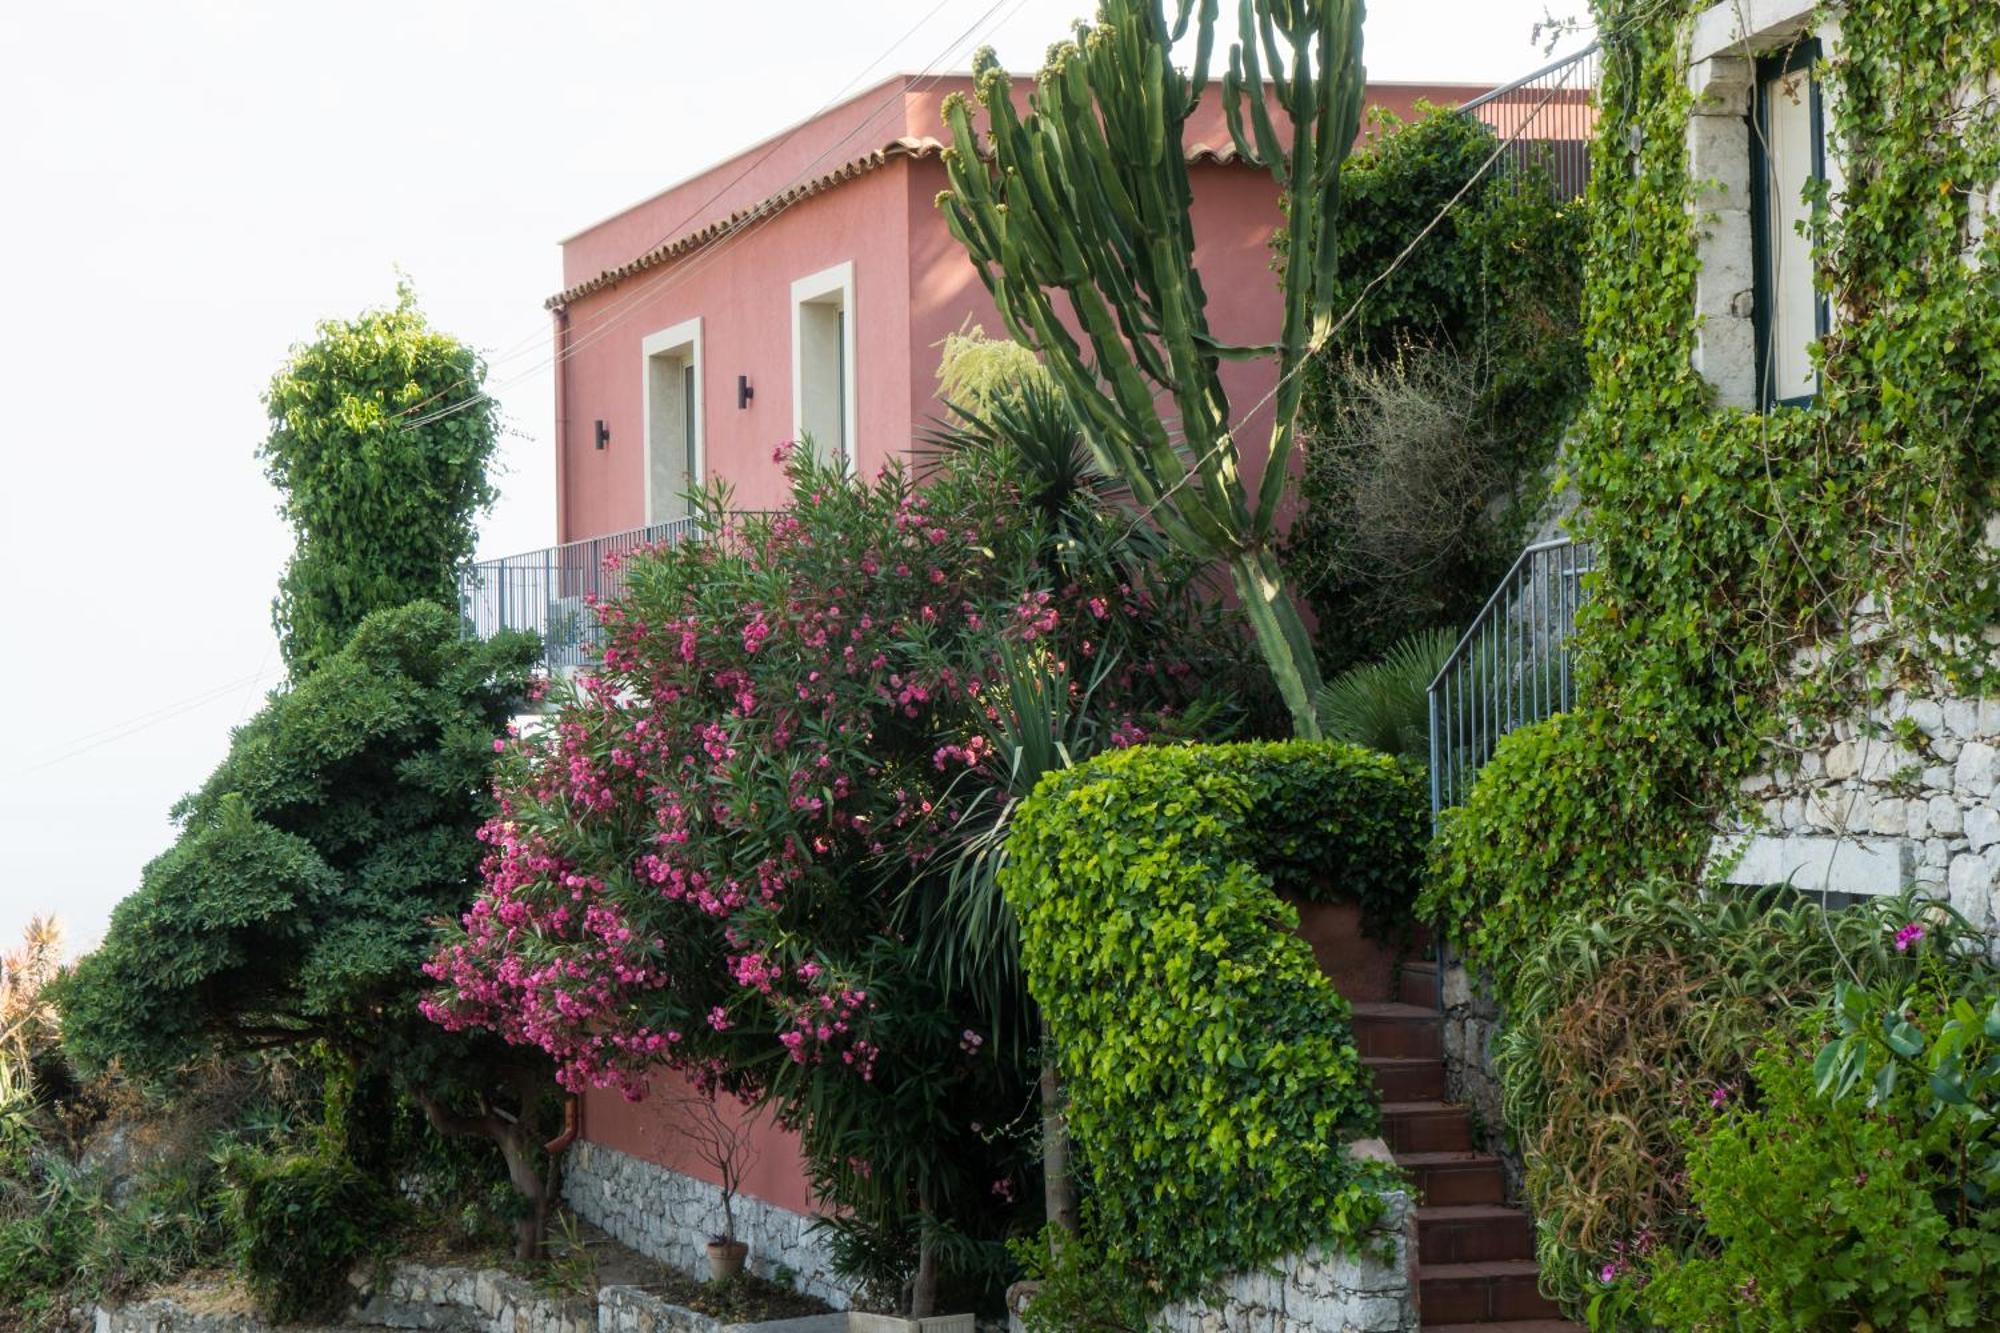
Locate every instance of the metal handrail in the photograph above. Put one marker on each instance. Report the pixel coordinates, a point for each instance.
(1511, 668)
(1545, 119)
(1526, 79)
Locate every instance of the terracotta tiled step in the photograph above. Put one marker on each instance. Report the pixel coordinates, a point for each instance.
(1407, 1080)
(1401, 1030)
(1486, 1292)
(1426, 1126)
(1472, 1232)
(1446, 1178)
(1510, 1326)
(1417, 983)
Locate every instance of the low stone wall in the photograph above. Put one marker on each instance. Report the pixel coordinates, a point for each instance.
(455, 1298)
(669, 1216)
(1373, 1291)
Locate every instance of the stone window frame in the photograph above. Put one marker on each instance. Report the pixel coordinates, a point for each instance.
(1727, 41)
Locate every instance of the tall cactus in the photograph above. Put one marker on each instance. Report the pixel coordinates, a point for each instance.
(1087, 195)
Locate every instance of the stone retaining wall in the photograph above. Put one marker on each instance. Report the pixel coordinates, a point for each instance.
(1373, 1291)
(669, 1216)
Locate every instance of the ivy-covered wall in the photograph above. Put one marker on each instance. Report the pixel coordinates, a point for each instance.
(1737, 546)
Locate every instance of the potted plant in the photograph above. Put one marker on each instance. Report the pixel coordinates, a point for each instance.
(719, 1142)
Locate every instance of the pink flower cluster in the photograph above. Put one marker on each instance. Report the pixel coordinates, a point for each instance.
(782, 713)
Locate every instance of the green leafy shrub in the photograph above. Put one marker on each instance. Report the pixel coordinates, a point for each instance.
(1433, 416)
(380, 436)
(1210, 1067)
(301, 1222)
(1821, 1213)
(1385, 705)
(1624, 1022)
(1526, 852)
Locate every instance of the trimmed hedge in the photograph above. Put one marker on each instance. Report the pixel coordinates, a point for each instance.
(1210, 1068)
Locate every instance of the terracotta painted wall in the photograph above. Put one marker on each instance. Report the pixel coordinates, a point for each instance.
(743, 295)
(912, 287)
(655, 1130)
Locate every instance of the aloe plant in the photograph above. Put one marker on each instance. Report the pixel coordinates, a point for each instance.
(1081, 206)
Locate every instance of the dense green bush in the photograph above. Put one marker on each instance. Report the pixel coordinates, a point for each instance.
(1431, 418)
(1625, 1021)
(380, 437)
(1834, 1212)
(300, 1223)
(1210, 1067)
(1525, 853)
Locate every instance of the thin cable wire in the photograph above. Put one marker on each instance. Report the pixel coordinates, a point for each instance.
(1319, 341)
(145, 721)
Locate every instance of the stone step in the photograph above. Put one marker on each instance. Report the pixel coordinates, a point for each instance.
(1403, 1079)
(1509, 1326)
(1397, 1030)
(1443, 1179)
(1470, 1232)
(1417, 984)
(1486, 1292)
(1426, 1126)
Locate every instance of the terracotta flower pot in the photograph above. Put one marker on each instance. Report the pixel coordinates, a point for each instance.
(725, 1259)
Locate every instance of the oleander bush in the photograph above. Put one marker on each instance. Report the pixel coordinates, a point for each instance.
(1210, 1068)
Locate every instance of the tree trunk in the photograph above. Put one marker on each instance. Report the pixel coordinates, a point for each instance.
(923, 1288)
(1058, 1190)
(517, 1146)
(1281, 636)
(516, 1140)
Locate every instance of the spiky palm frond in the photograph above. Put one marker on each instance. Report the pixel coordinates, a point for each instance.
(1385, 705)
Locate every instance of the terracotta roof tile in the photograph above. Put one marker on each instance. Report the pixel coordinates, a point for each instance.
(907, 147)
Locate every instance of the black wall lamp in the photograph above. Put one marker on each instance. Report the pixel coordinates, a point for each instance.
(603, 434)
(744, 393)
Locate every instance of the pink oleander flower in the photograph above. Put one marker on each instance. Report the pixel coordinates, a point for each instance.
(1907, 936)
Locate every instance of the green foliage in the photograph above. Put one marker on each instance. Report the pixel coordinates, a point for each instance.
(1625, 1021)
(301, 1222)
(1828, 1214)
(1385, 705)
(1953, 1068)
(1434, 414)
(297, 903)
(148, 1204)
(382, 497)
(976, 372)
(1210, 1067)
(1730, 540)
(1087, 195)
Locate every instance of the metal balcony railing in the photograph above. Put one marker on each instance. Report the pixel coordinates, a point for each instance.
(549, 592)
(1513, 666)
(1548, 119)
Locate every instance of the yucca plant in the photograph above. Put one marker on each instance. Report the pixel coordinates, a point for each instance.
(1385, 705)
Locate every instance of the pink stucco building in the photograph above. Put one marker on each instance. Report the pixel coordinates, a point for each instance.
(802, 287)
(799, 288)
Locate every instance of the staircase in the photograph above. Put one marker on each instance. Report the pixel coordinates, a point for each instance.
(1476, 1270)
(1475, 1255)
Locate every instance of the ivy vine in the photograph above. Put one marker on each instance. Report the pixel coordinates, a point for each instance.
(1735, 546)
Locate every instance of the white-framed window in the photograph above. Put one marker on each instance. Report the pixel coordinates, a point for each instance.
(1787, 157)
(673, 410)
(823, 363)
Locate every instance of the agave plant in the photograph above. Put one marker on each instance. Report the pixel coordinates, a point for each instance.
(1385, 705)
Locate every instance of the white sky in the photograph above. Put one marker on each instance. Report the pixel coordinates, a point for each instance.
(186, 188)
